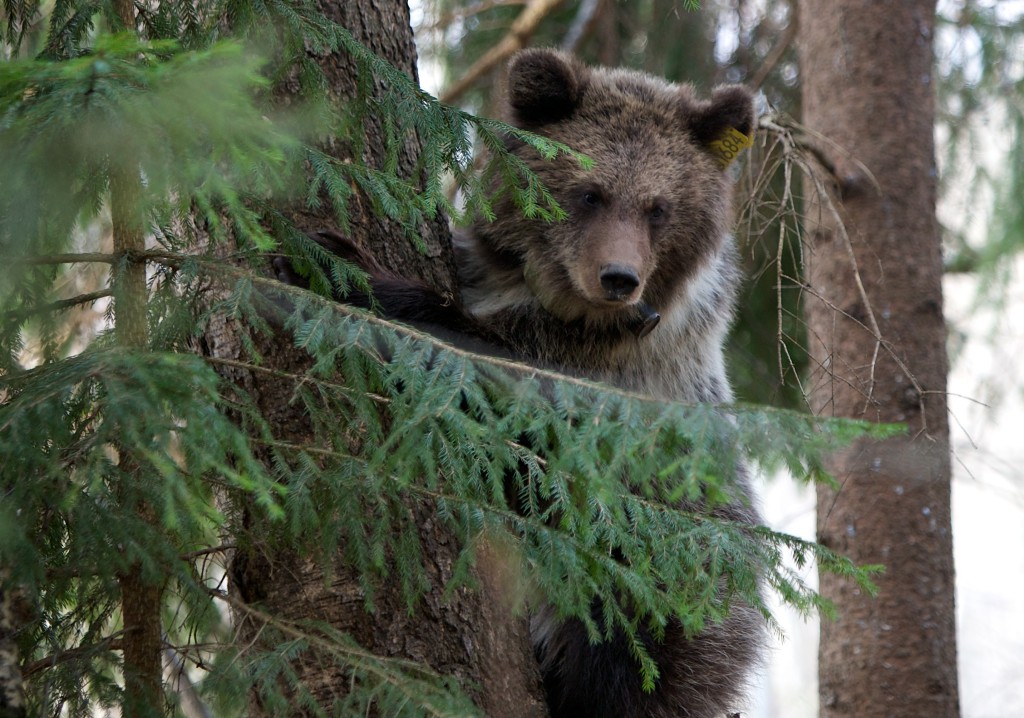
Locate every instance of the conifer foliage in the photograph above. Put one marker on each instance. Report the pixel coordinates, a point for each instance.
(121, 459)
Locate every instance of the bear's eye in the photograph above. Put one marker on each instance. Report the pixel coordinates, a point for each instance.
(657, 213)
(591, 199)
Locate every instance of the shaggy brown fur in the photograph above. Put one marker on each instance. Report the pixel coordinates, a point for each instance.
(647, 232)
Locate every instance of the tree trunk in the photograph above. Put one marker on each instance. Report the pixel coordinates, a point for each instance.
(470, 635)
(874, 312)
(141, 600)
(12, 694)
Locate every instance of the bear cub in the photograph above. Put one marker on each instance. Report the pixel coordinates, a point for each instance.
(634, 288)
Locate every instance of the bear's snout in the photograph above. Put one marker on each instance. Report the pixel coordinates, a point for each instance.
(619, 281)
(610, 265)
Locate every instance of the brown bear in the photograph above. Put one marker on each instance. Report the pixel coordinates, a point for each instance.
(634, 288)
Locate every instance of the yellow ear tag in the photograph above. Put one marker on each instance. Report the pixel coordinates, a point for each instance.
(729, 145)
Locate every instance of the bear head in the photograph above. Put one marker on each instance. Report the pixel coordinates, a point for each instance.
(652, 210)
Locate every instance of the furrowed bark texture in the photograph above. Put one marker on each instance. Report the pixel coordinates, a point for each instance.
(867, 85)
(12, 694)
(470, 634)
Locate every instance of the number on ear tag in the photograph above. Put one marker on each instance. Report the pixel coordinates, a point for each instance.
(729, 145)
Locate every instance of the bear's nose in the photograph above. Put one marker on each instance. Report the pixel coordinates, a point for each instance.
(619, 281)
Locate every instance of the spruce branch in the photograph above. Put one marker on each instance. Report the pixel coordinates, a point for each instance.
(21, 314)
(113, 642)
(77, 258)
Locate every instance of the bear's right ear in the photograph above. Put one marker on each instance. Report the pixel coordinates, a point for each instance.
(543, 86)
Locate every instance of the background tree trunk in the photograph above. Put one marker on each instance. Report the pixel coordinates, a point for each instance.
(874, 312)
(470, 635)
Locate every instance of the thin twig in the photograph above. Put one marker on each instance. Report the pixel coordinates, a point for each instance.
(223, 548)
(462, 13)
(798, 145)
(178, 680)
(518, 35)
(774, 57)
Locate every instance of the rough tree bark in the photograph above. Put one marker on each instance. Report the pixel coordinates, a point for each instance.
(12, 695)
(472, 634)
(874, 311)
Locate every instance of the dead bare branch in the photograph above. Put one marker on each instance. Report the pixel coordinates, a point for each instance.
(457, 14)
(812, 155)
(774, 57)
(516, 38)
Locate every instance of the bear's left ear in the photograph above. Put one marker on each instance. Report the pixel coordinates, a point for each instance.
(731, 106)
(544, 86)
